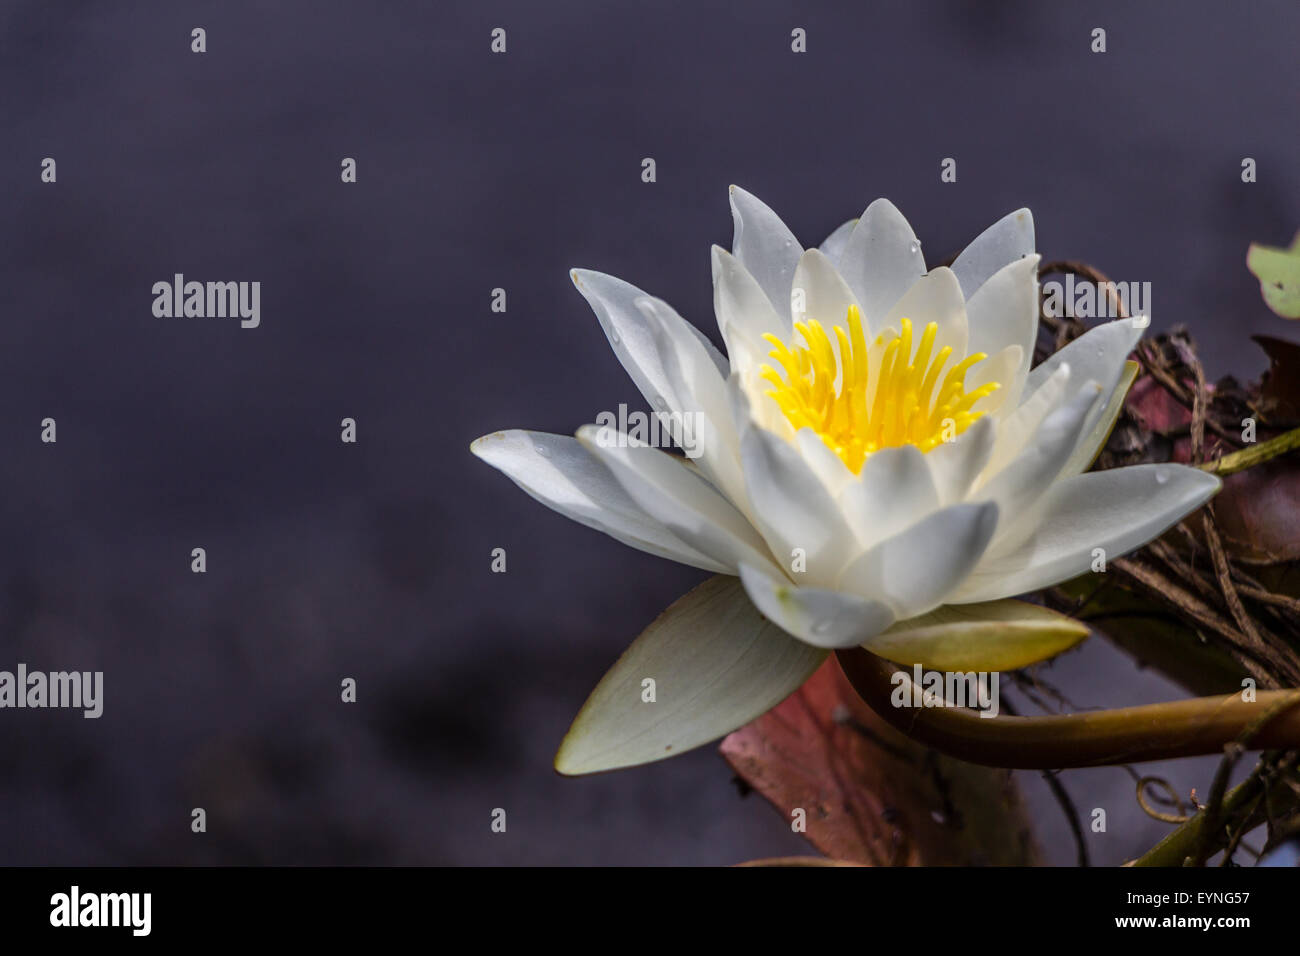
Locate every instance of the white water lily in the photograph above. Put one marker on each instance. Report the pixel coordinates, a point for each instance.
(874, 449)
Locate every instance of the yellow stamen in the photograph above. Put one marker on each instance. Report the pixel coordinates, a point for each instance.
(904, 409)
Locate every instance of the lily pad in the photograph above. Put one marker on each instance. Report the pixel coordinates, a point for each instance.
(1278, 272)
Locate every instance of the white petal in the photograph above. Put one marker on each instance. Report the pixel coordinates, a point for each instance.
(719, 360)
(717, 665)
(892, 492)
(669, 491)
(881, 261)
(744, 312)
(935, 297)
(1017, 428)
(1005, 312)
(764, 246)
(557, 471)
(701, 420)
(1100, 426)
(1006, 240)
(630, 335)
(814, 615)
(1018, 486)
(752, 406)
(1098, 354)
(1005, 367)
(834, 244)
(955, 465)
(791, 506)
(1101, 354)
(826, 296)
(828, 466)
(915, 570)
(1117, 510)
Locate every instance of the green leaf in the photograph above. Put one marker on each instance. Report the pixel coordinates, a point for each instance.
(1278, 272)
(716, 663)
(993, 636)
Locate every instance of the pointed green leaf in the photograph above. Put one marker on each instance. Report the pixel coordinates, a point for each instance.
(993, 636)
(1278, 272)
(716, 664)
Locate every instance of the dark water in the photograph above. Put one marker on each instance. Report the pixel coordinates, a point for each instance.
(477, 171)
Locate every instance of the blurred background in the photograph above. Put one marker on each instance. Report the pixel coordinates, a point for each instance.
(477, 171)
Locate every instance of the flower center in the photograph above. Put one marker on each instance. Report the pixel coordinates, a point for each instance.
(887, 395)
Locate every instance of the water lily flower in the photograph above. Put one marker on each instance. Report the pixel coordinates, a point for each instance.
(875, 461)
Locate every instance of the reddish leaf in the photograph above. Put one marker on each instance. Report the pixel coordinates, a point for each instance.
(1258, 510)
(1279, 391)
(1154, 408)
(871, 795)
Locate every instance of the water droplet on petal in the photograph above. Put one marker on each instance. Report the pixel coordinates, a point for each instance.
(1162, 476)
(541, 449)
(660, 402)
(915, 247)
(821, 627)
(613, 337)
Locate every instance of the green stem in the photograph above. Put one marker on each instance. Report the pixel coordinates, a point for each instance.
(1181, 728)
(1255, 455)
